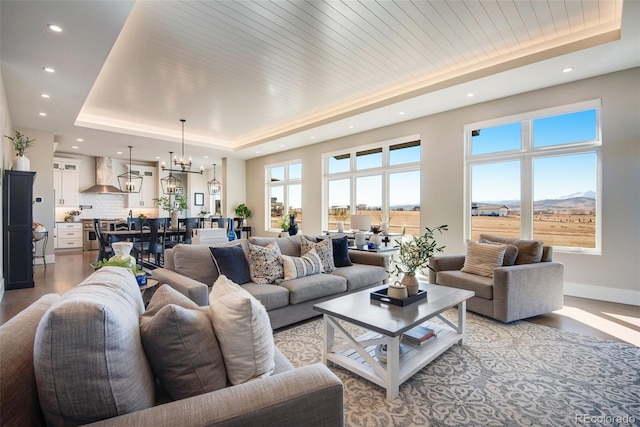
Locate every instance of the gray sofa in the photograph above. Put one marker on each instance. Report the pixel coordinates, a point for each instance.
(309, 395)
(531, 285)
(190, 270)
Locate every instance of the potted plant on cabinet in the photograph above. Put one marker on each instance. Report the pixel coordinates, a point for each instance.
(20, 144)
(414, 255)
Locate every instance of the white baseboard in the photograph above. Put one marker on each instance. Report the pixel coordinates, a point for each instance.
(602, 293)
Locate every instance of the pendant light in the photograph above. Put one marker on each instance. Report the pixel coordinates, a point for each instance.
(170, 184)
(214, 185)
(130, 182)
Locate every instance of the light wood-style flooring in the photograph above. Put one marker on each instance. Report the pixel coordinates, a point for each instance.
(611, 321)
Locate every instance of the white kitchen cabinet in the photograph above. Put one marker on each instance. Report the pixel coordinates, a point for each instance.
(143, 199)
(65, 182)
(68, 235)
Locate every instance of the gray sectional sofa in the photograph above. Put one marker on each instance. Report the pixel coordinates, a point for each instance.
(191, 270)
(81, 358)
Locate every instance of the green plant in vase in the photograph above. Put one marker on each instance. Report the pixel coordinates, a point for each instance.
(414, 255)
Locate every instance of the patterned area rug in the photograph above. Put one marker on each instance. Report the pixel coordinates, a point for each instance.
(518, 374)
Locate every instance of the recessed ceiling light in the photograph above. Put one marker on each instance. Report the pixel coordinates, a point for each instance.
(49, 69)
(45, 95)
(470, 94)
(401, 113)
(79, 139)
(257, 151)
(350, 126)
(567, 70)
(54, 27)
(206, 157)
(118, 152)
(312, 137)
(42, 114)
(75, 147)
(281, 145)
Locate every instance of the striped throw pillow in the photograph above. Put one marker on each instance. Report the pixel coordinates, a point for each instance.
(305, 265)
(482, 258)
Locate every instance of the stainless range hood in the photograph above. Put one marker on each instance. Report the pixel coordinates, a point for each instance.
(104, 176)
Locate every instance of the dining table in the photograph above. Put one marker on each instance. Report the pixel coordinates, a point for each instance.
(132, 234)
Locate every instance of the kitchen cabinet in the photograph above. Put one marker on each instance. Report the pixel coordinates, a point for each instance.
(68, 235)
(65, 182)
(143, 199)
(17, 211)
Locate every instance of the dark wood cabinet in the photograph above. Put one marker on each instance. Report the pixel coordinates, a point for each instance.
(17, 210)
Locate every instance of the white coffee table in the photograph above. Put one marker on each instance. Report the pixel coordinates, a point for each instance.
(386, 323)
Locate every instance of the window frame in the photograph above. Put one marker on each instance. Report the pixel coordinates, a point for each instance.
(354, 173)
(285, 183)
(526, 156)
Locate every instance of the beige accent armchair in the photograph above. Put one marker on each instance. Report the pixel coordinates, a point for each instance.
(514, 292)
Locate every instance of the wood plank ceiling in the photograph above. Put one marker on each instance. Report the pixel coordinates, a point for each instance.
(246, 71)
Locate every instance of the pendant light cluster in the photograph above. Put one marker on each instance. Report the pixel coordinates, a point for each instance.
(130, 182)
(184, 165)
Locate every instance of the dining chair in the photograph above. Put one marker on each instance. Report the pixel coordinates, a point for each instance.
(222, 222)
(105, 250)
(151, 243)
(189, 224)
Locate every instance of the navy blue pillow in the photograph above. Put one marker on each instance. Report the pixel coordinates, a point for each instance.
(232, 262)
(340, 251)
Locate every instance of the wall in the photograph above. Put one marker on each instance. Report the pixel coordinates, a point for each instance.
(5, 129)
(612, 276)
(233, 185)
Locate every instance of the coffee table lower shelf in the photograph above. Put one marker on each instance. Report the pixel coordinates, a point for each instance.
(358, 354)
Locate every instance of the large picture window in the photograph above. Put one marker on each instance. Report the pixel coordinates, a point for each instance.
(537, 176)
(382, 180)
(284, 193)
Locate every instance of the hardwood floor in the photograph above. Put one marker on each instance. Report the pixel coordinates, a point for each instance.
(610, 321)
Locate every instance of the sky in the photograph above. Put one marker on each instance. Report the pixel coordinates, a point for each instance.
(553, 177)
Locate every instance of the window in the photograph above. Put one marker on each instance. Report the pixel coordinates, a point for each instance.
(544, 184)
(284, 190)
(381, 180)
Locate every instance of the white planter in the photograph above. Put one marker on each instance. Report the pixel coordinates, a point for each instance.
(21, 163)
(340, 226)
(361, 239)
(376, 240)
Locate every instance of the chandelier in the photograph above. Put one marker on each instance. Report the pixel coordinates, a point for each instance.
(170, 184)
(214, 185)
(184, 165)
(130, 182)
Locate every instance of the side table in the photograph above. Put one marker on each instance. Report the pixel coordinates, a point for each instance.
(148, 290)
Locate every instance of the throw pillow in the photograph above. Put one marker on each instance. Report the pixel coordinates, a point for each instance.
(510, 254)
(231, 262)
(305, 265)
(243, 329)
(183, 351)
(482, 258)
(324, 248)
(167, 295)
(265, 264)
(340, 251)
(529, 251)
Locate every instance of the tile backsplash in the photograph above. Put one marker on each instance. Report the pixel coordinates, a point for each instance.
(109, 206)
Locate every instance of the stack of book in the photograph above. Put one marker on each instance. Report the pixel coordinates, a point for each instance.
(419, 335)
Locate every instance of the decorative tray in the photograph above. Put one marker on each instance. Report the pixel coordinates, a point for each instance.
(381, 295)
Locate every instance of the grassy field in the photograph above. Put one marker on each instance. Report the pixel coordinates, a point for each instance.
(554, 230)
